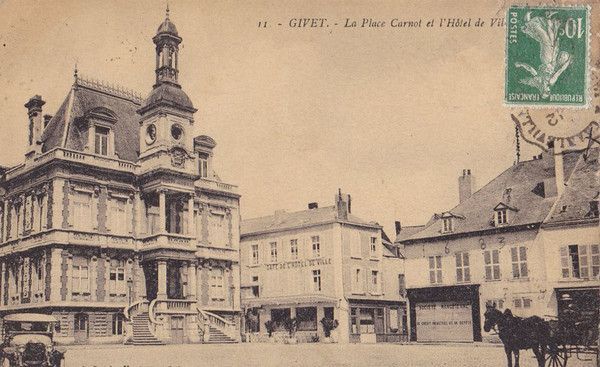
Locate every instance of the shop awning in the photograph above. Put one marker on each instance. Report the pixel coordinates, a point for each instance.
(295, 300)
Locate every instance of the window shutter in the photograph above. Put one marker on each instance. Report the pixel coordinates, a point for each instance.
(564, 261)
(583, 261)
(595, 262)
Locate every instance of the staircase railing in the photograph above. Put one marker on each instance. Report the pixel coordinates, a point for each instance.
(131, 310)
(225, 326)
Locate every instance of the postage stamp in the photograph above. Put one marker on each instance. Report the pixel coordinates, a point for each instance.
(547, 56)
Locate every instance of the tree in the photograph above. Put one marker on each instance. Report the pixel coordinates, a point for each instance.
(329, 325)
(291, 325)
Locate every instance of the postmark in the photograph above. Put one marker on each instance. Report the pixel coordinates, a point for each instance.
(568, 129)
(547, 56)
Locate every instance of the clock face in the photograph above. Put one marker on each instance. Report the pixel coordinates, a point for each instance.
(176, 132)
(150, 134)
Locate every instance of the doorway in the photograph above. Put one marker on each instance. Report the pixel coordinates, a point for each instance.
(177, 329)
(81, 328)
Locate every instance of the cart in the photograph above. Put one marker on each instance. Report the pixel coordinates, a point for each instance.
(572, 334)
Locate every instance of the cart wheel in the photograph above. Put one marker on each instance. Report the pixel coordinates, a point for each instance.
(556, 357)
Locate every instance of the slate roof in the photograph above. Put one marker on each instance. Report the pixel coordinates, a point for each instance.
(407, 232)
(310, 217)
(170, 95)
(82, 99)
(582, 187)
(521, 180)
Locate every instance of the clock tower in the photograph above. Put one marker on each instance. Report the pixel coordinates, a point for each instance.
(167, 115)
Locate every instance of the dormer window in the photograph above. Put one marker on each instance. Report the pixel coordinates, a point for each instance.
(99, 123)
(502, 214)
(101, 140)
(447, 225)
(501, 217)
(448, 221)
(203, 165)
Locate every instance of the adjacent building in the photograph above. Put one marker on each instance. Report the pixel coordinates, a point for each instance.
(323, 262)
(527, 240)
(116, 222)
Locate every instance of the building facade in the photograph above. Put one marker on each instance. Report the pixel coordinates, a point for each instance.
(321, 263)
(116, 222)
(521, 242)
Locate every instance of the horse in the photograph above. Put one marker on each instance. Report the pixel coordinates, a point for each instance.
(517, 333)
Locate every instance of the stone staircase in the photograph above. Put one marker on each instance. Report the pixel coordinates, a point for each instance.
(141, 331)
(216, 336)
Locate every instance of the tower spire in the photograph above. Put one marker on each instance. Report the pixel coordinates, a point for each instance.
(167, 42)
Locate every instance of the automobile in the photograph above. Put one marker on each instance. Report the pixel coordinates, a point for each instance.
(27, 340)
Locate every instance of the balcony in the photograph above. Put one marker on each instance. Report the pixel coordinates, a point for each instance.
(62, 236)
(173, 306)
(219, 253)
(217, 186)
(167, 241)
(73, 157)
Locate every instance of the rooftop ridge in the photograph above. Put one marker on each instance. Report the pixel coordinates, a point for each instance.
(112, 89)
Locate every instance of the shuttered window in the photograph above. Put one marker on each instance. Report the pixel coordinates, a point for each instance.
(463, 271)
(580, 261)
(435, 269)
(519, 262)
(491, 259)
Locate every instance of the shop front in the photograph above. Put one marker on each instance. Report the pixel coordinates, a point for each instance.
(445, 314)
(581, 299)
(308, 313)
(377, 322)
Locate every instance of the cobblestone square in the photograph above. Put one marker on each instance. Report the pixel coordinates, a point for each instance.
(266, 355)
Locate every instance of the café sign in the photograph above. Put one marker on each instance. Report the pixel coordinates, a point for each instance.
(299, 264)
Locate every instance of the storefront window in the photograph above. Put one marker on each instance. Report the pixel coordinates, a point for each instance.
(307, 318)
(279, 315)
(354, 320)
(367, 321)
(393, 323)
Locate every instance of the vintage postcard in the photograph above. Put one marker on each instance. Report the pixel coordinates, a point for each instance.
(299, 183)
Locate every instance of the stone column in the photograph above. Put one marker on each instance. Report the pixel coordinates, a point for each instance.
(3, 279)
(5, 234)
(191, 225)
(162, 280)
(138, 217)
(162, 211)
(191, 278)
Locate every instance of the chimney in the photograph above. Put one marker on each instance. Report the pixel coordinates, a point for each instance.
(466, 182)
(36, 121)
(342, 204)
(398, 227)
(47, 119)
(553, 160)
(559, 171)
(313, 205)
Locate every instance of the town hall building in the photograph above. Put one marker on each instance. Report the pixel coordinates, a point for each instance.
(116, 222)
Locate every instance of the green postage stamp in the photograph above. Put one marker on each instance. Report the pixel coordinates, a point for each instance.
(547, 56)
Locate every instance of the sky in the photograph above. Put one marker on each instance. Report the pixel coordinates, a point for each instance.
(389, 115)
